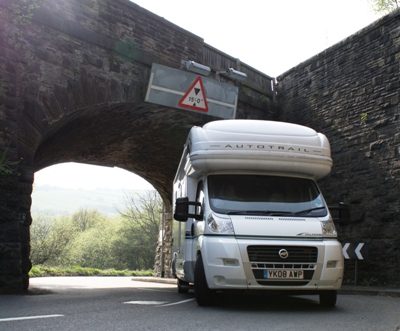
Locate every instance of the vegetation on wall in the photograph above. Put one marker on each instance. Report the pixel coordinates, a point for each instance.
(385, 6)
(6, 166)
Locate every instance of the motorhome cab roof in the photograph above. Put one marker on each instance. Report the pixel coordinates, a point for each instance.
(255, 145)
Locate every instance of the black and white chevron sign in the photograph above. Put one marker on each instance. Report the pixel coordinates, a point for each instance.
(354, 251)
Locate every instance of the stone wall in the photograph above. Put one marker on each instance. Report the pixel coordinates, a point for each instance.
(163, 258)
(351, 92)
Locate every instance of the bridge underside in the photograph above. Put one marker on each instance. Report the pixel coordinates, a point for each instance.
(144, 139)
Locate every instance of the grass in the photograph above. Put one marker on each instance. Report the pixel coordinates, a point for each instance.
(46, 271)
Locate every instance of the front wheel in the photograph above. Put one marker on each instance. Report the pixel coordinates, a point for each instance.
(204, 296)
(328, 299)
(183, 287)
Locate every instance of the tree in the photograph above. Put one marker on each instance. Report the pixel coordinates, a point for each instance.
(85, 219)
(54, 240)
(138, 237)
(94, 247)
(385, 6)
(49, 239)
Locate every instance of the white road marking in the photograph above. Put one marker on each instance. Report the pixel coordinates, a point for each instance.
(178, 303)
(29, 317)
(146, 302)
(157, 303)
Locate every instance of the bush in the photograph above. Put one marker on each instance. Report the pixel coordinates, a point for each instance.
(93, 248)
(50, 239)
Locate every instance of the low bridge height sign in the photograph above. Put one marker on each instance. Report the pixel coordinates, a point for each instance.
(187, 91)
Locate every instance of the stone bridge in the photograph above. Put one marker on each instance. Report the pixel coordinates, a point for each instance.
(73, 77)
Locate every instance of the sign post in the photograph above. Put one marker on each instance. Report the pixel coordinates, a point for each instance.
(354, 252)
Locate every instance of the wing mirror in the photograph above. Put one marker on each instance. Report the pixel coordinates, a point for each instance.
(340, 212)
(182, 214)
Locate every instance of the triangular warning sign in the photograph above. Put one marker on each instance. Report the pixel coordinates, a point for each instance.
(195, 97)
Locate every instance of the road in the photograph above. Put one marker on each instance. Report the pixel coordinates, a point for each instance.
(118, 303)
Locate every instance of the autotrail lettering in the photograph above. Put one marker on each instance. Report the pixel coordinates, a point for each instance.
(267, 147)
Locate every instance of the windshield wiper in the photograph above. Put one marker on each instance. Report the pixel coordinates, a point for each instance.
(306, 211)
(260, 212)
(274, 212)
(249, 212)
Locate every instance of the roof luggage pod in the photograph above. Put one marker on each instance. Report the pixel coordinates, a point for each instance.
(255, 145)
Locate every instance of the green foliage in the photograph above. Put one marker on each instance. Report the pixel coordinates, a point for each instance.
(91, 240)
(46, 271)
(94, 248)
(385, 6)
(363, 118)
(139, 232)
(50, 240)
(85, 219)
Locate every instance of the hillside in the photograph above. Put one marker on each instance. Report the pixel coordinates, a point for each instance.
(55, 201)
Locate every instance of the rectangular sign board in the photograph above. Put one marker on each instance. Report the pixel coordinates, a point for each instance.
(188, 91)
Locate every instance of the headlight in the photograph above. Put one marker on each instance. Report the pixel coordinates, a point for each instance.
(328, 229)
(220, 225)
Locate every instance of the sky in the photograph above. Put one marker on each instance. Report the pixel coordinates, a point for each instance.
(83, 176)
(269, 35)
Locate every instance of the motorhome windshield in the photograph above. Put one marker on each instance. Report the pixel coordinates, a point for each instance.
(265, 195)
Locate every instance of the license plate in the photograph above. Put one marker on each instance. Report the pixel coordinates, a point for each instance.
(283, 274)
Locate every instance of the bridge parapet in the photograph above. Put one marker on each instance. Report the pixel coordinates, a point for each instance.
(220, 61)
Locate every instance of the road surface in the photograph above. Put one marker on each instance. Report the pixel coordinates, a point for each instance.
(119, 303)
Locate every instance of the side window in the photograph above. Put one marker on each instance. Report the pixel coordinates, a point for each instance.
(200, 199)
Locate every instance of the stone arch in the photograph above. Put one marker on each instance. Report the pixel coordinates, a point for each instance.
(143, 139)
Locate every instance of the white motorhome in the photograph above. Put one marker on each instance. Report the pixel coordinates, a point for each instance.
(251, 214)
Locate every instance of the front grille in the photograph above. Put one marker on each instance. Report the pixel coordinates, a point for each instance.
(297, 254)
(263, 258)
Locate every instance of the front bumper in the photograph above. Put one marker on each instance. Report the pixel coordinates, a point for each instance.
(227, 265)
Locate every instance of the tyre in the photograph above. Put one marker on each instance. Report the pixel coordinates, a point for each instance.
(204, 296)
(328, 299)
(183, 287)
